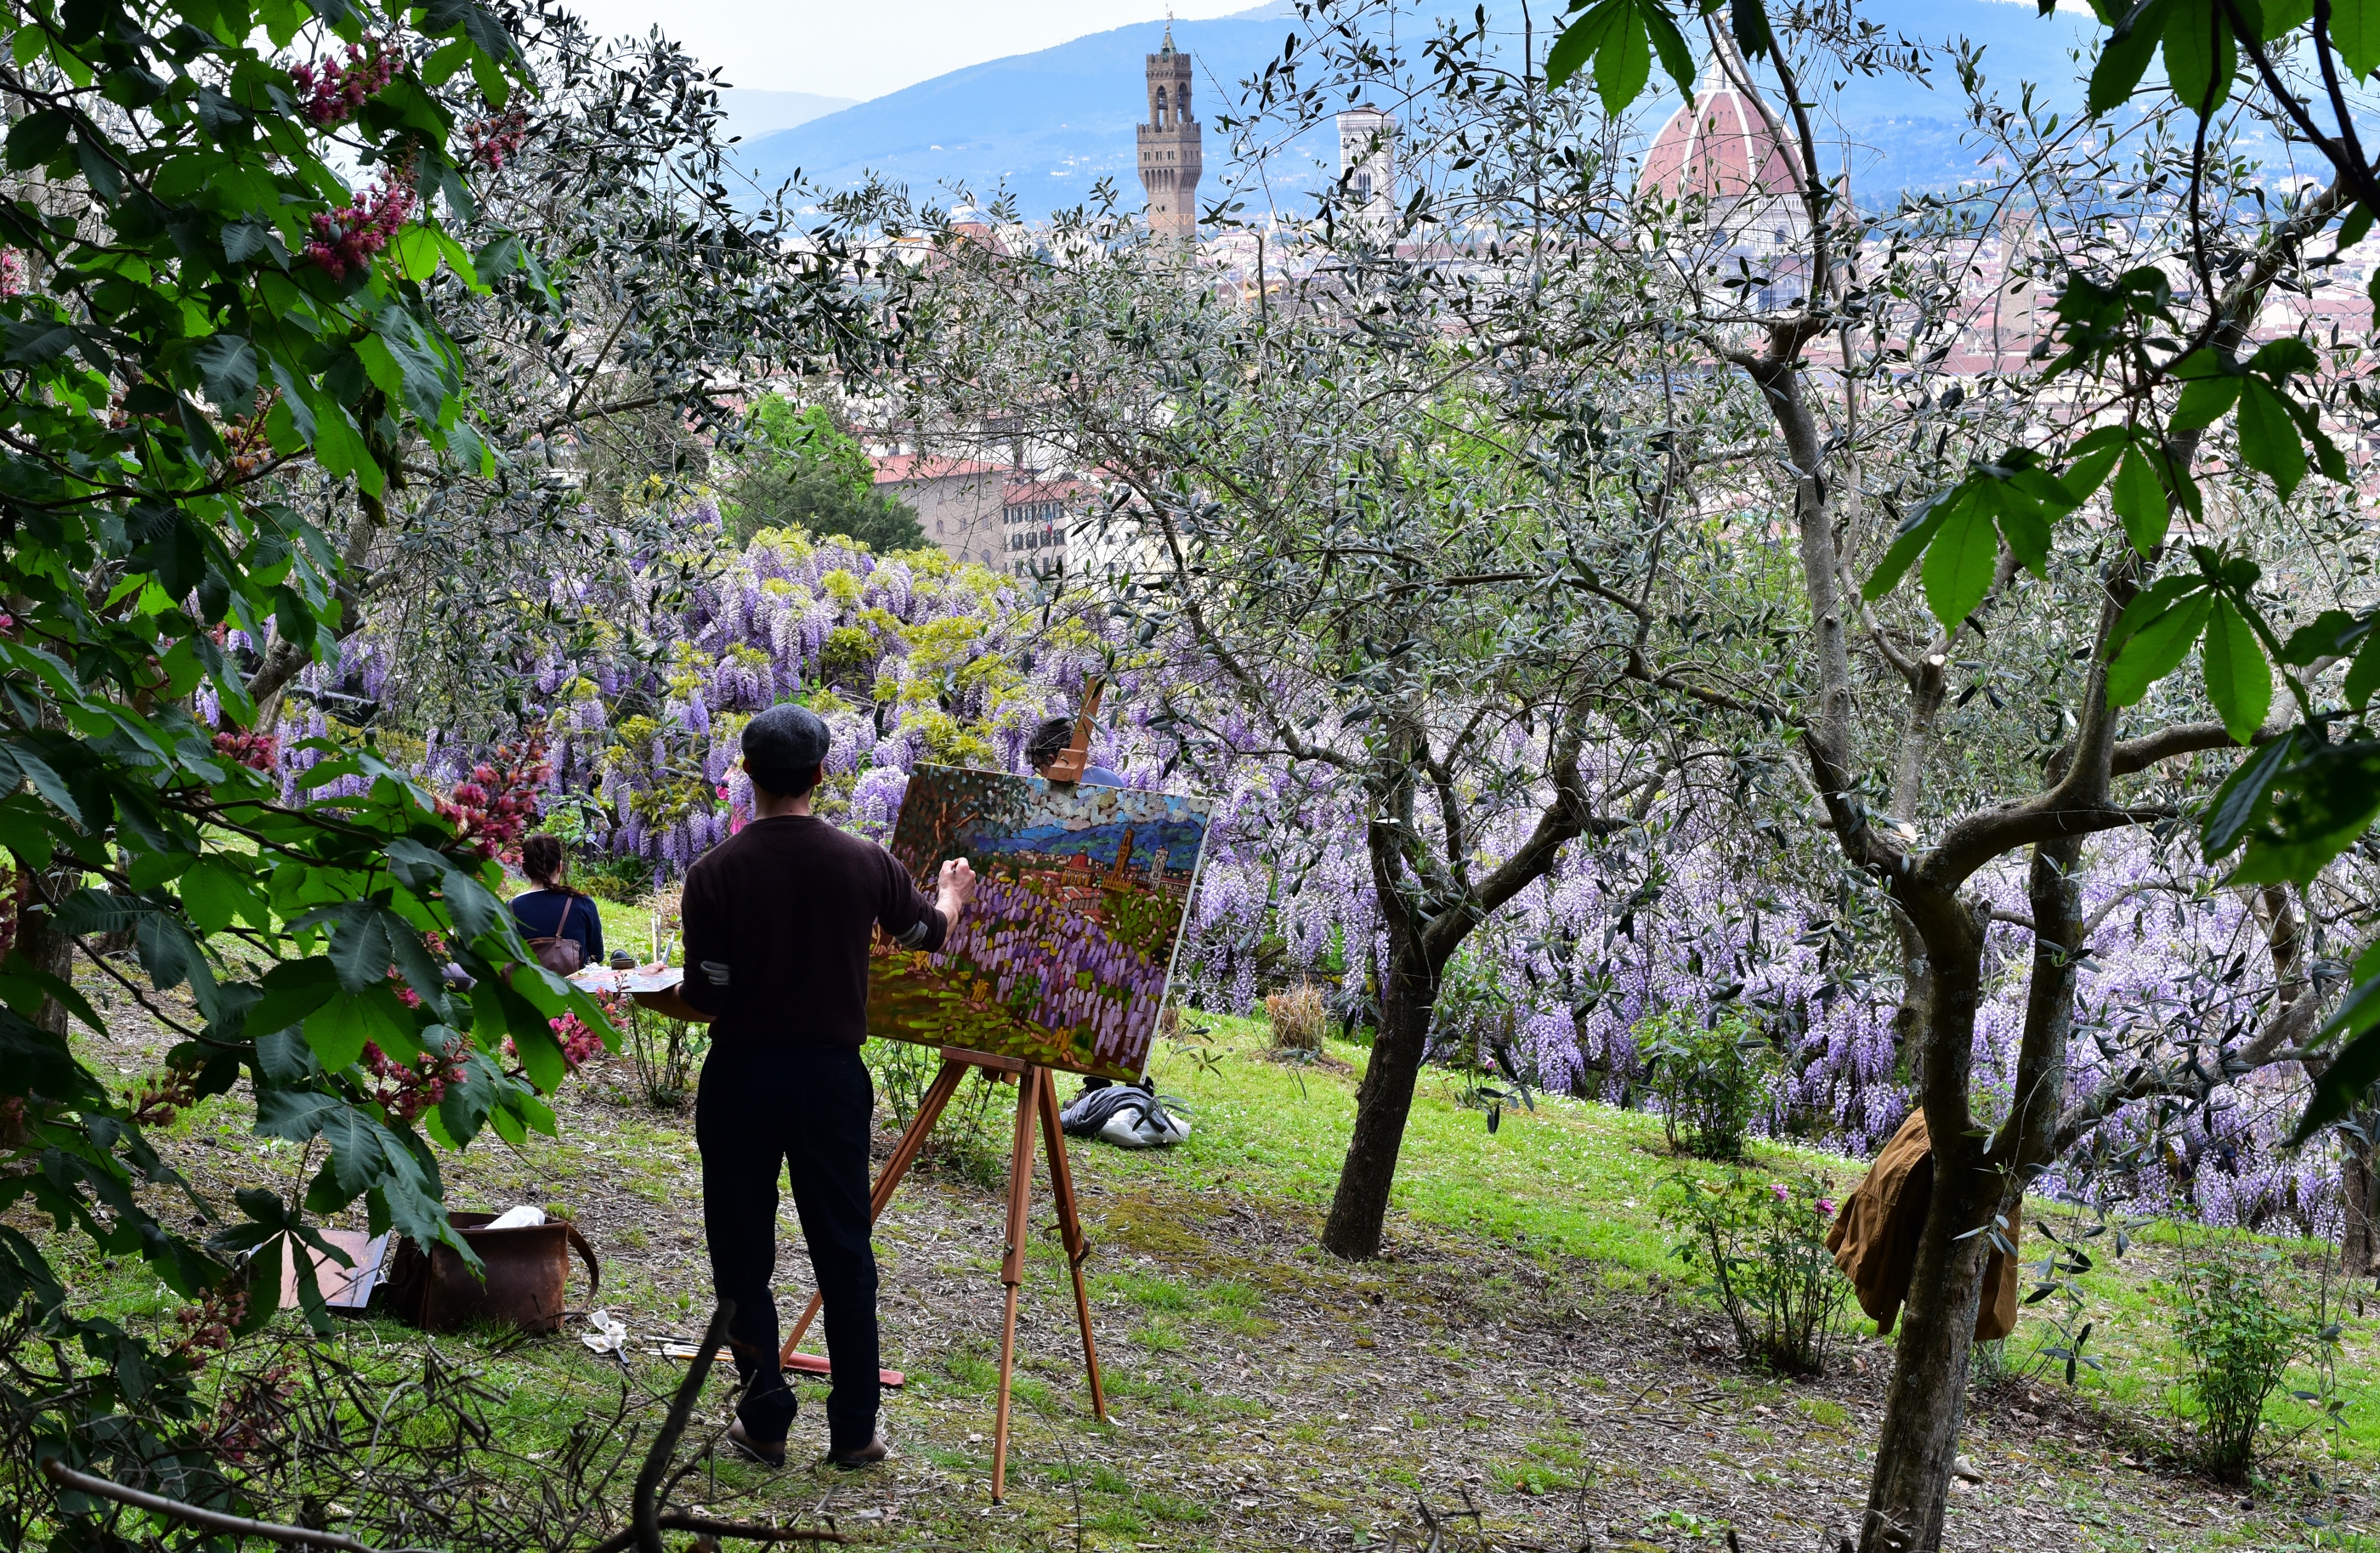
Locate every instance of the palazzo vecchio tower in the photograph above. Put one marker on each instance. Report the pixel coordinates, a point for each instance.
(1170, 158)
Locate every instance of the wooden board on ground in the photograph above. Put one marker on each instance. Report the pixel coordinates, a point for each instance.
(806, 1364)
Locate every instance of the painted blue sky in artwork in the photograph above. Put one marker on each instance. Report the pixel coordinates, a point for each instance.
(1064, 821)
(1179, 837)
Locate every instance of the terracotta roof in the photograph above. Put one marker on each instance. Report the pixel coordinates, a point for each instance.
(1718, 147)
(902, 468)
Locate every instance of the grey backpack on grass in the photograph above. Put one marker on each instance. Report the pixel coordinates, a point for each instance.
(1129, 1116)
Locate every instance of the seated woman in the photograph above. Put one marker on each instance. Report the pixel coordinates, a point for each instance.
(1050, 739)
(554, 910)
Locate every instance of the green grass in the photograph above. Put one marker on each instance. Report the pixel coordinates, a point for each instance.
(1568, 1187)
(1569, 1178)
(1235, 1307)
(1572, 1183)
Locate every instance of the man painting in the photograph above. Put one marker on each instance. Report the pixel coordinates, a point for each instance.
(778, 920)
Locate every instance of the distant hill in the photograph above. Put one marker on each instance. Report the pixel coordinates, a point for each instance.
(1052, 124)
(753, 113)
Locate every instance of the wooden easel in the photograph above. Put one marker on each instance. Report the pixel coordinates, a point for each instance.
(1067, 768)
(1037, 1094)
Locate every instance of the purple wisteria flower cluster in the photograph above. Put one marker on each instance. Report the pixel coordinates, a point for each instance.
(915, 659)
(1055, 969)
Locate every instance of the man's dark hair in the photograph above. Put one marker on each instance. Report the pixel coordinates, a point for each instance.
(782, 748)
(1051, 737)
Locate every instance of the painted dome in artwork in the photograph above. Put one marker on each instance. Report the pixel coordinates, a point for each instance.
(1718, 148)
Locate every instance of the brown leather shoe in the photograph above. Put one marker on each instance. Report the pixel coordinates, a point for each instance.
(753, 1451)
(867, 1455)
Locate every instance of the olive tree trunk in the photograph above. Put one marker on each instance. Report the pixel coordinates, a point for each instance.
(1926, 1404)
(2358, 1255)
(1429, 903)
(1383, 1101)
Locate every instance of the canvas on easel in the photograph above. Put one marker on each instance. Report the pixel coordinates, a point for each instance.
(1061, 961)
(1064, 958)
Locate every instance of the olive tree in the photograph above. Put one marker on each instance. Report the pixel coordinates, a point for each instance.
(1403, 522)
(641, 294)
(2107, 497)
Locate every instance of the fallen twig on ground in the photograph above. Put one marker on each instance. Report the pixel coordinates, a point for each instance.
(199, 1515)
(648, 1520)
(643, 1523)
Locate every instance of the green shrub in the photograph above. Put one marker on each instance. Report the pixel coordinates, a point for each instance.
(1761, 1245)
(904, 1071)
(848, 649)
(795, 468)
(571, 818)
(1988, 1365)
(624, 881)
(1712, 1083)
(826, 507)
(974, 1137)
(977, 1134)
(665, 1053)
(2245, 1317)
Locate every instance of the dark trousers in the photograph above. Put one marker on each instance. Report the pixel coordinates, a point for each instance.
(761, 1109)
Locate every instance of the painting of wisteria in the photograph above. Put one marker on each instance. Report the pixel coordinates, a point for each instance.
(1063, 958)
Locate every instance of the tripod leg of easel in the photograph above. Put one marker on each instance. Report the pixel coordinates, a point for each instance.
(913, 1141)
(1030, 1085)
(905, 1154)
(1070, 1225)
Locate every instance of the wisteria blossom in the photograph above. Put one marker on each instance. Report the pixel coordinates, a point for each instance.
(913, 660)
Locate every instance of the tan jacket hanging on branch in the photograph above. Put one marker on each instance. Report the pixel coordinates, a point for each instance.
(1875, 1236)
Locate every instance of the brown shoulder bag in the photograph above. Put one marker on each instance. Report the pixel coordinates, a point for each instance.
(562, 956)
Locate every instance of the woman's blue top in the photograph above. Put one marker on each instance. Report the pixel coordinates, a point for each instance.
(555, 914)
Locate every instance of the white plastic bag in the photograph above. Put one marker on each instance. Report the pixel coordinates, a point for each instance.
(1128, 1116)
(610, 1336)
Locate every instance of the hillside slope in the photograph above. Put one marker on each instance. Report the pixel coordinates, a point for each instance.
(752, 111)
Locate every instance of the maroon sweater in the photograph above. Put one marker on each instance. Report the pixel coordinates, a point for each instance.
(777, 924)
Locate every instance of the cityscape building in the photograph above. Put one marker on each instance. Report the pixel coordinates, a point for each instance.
(1367, 169)
(1035, 517)
(957, 500)
(1170, 146)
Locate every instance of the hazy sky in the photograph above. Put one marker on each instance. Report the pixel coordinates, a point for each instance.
(865, 48)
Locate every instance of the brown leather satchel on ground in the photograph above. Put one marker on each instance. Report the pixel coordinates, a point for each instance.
(528, 1272)
(1875, 1236)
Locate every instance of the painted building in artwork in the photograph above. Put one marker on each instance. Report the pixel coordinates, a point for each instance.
(1170, 155)
(1367, 169)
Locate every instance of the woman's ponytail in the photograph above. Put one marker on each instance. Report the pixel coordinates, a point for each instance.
(541, 860)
